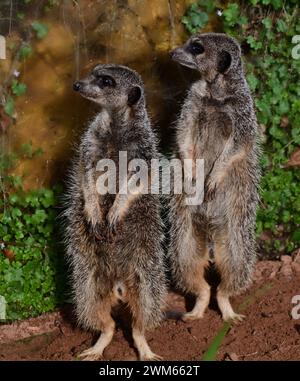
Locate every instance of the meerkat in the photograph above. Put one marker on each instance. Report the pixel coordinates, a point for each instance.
(114, 241)
(217, 124)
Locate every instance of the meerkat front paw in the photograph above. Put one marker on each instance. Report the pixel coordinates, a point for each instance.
(95, 221)
(98, 231)
(210, 188)
(113, 219)
(92, 211)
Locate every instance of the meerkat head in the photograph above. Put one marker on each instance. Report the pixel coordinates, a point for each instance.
(112, 87)
(211, 54)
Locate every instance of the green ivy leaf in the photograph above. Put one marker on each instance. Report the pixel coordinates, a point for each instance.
(231, 14)
(281, 26)
(210, 5)
(277, 4)
(25, 52)
(267, 22)
(199, 20)
(9, 106)
(41, 29)
(252, 81)
(296, 236)
(18, 88)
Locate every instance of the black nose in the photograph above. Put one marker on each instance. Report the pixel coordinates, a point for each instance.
(171, 53)
(76, 86)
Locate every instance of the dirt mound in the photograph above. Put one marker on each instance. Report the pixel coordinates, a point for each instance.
(268, 332)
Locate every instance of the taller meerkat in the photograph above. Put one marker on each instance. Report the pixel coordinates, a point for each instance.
(217, 124)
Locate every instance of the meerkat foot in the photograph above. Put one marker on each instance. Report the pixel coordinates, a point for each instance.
(145, 353)
(90, 354)
(190, 316)
(224, 304)
(201, 304)
(197, 312)
(234, 318)
(96, 351)
(151, 357)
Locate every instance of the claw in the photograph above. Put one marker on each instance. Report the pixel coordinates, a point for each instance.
(191, 317)
(90, 355)
(234, 319)
(210, 192)
(113, 220)
(112, 216)
(112, 229)
(111, 233)
(151, 357)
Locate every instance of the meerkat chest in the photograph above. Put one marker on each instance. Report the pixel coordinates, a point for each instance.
(206, 136)
(213, 129)
(121, 152)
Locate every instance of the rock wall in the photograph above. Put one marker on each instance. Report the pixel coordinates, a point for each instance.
(137, 33)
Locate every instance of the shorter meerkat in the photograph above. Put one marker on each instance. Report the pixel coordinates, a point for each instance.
(115, 240)
(217, 124)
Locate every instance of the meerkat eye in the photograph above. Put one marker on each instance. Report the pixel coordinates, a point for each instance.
(196, 48)
(105, 81)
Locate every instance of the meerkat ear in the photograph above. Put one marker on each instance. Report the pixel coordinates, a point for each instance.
(134, 95)
(224, 61)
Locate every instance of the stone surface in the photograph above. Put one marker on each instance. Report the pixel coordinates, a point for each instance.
(286, 259)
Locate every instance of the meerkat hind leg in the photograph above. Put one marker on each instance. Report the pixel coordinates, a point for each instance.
(202, 302)
(194, 277)
(145, 353)
(107, 325)
(138, 329)
(223, 294)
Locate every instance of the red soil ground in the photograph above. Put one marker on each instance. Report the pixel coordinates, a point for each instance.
(268, 332)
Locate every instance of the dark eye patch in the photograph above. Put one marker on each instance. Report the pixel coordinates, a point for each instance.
(105, 81)
(196, 48)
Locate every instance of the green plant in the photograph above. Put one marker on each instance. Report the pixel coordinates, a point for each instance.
(197, 15)
(9, 106)
(25, 51)
(32, 269)
(265, 28)
(40, 29)
(212, 350)
(18, 88)
(31, 260)
(22, 51)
